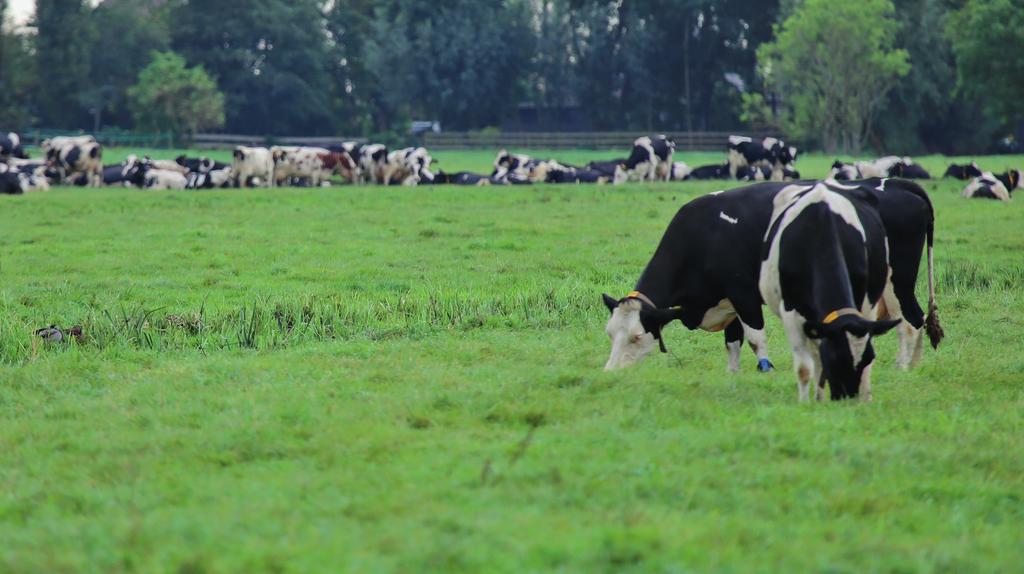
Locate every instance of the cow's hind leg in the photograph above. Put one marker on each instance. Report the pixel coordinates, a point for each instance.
(903, 305)
(734, 344)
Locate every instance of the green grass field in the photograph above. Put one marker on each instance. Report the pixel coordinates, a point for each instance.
(410, 379)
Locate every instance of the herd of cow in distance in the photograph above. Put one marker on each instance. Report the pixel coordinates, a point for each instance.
(837, 260)
(78, 160)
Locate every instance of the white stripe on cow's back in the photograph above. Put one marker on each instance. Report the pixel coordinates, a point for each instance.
(769, 283)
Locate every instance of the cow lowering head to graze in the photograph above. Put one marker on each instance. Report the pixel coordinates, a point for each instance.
(964, 171)
(824, 271)
(650, 160)
(770, 152)
(987, 186)
(252, 163)
(706, 268)
(10, 147)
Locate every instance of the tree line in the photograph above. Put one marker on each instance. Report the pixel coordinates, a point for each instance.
(842, 75)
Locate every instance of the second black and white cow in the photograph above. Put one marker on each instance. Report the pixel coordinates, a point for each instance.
(824, 270)
(705, 271)
(772, 153)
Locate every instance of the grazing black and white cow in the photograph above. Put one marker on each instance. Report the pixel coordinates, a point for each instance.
(770, 152)
(963, 171)
(650, 160)
(987, 186)
(824, 270)
(716, 171)
(74, 157)
(10, 146)
(705, 271)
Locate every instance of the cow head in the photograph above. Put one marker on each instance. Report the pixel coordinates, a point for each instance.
(634, 327)
(846, 350)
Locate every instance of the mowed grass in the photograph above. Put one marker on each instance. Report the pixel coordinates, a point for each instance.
(398, 379)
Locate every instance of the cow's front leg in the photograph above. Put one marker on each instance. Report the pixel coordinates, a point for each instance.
(734, 344)
(748, 308)
(865, 384)
(758, 340)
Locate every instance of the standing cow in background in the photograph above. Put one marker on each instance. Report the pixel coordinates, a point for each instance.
(252, 163)
(299, 162)
(75, 158)
(372, 161)
(770, 152)
(650, 160)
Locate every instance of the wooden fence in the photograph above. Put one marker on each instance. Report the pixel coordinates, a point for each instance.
(685, 141)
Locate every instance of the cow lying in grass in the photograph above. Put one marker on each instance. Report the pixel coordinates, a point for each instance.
(705, 272)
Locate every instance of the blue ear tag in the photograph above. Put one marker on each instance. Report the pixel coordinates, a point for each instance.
(765, 366)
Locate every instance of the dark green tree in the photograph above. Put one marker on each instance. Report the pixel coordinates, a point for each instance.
(65, 35)
(271, 60)
(988, 40)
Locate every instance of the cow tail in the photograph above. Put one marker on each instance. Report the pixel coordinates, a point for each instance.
(931, 324)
